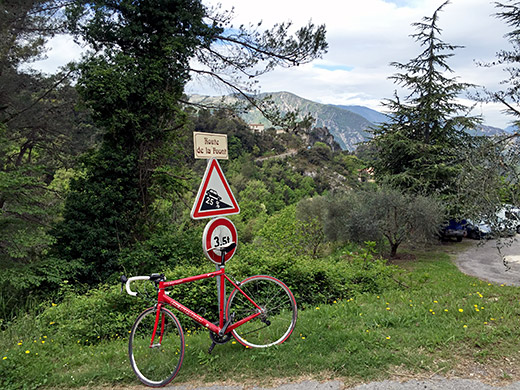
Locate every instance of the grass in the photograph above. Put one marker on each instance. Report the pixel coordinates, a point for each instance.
(443, 322)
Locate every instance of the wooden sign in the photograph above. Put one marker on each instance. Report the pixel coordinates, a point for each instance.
(209, 145)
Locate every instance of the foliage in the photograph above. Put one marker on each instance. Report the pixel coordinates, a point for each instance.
(134, 81)
(40, 131)
(510, 13)
(418, 148)
(168, 249)
(398, 217)
(443, 317)
(490, 179)
(376, 215)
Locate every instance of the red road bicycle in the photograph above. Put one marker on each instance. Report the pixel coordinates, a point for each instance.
(259, 312)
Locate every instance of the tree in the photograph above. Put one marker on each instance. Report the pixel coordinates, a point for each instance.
(509, 97)
(133, 81)
(39, 131)
(490, 176)
(417, 149)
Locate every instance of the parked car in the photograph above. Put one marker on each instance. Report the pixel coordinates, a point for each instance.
(477, 231)
(505, 223)
(509, 219)
(454, 229)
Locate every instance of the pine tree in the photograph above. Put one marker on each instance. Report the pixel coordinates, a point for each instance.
(417, 147)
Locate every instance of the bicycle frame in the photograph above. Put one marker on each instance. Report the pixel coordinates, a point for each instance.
(163, 298)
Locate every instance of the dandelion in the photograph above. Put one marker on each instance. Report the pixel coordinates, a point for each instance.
(446, 310)
(435, 302)
(303, 337)
(492, 319)
(461, 310)
(5, 357)
(20, 343)
(433, 312)
(27, 351)
(317, 308)
(53, 304)
(387, 308)
(465, 326)
(51, 323)
(485, 323)
(388, 337)
(233, 342)
(43, 341)
(335, 302)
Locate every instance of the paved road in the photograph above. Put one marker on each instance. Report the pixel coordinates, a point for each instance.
(432, 384)
(483, 260)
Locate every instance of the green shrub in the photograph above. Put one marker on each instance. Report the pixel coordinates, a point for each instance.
(314, 280)
(101, 313)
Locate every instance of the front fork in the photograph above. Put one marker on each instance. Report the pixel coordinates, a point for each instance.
(159, 321)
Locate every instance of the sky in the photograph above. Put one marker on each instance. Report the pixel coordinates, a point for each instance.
(364, 37)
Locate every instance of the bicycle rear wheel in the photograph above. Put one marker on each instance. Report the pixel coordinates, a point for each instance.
(278, 306)
(157, 363)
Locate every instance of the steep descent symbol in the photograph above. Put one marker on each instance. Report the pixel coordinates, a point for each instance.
(214, 197)
(213, 201)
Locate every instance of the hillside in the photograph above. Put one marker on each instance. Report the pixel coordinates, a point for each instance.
(347, 127)
(348, 124)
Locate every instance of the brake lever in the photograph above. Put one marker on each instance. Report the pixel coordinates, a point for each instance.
(123, 280)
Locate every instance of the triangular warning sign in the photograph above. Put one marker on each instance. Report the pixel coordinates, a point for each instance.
(214, 197)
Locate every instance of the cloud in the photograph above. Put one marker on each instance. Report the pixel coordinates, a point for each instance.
(366, 36)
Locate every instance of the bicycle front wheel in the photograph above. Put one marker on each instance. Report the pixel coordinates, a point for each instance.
(278, 311)
(156, 362)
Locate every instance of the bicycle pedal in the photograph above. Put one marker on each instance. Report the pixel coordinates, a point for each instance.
(211, 347)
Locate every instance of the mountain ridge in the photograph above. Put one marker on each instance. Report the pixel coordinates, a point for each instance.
(348, 124)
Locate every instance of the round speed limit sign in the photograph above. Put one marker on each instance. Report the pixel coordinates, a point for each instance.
(218, 232)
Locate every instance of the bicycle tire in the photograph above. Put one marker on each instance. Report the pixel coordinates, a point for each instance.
(279, 316)
(156, 365)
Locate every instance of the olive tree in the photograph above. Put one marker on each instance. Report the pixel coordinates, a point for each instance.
(384, 215)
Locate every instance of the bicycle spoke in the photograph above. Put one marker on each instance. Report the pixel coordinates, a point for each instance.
(156, 365)
(278, 311)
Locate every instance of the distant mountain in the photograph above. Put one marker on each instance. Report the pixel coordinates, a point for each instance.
(349, 125)
(370, 115)
(511, 129)
(487, 131)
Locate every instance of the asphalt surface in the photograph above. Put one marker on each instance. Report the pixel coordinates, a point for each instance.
(438, 383)
(495, 262)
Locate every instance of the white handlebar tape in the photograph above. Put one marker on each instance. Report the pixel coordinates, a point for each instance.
(133, 279)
